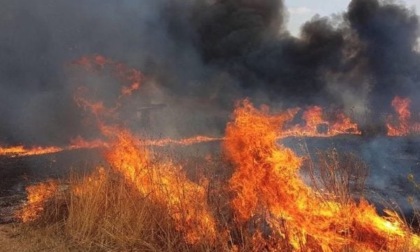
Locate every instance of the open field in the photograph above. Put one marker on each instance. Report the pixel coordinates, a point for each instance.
(113, 188)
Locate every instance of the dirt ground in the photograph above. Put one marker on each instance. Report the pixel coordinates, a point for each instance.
(10, 240)
(14, 238)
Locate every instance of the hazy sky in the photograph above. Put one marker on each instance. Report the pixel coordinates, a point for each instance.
(303, 10)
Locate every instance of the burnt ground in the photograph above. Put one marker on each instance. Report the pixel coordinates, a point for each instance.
(18, 172)
(390, 162)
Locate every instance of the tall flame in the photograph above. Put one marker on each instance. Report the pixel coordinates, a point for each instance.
(266, 183)
(165, 184)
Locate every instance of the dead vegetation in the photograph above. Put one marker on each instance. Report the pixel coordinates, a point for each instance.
(108, 215)
(338, 175)
(102, 211)
(145, 202)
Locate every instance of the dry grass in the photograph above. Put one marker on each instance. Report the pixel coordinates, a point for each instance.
(108, 214)
(340, 176)
(103, 212)
(19, 237)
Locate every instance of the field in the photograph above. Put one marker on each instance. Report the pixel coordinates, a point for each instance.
(250, 194)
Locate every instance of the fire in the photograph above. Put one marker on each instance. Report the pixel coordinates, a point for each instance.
(126, 91)
(402, 124)
(37, 197)
(316, 124)
(80, 143)
(266, 183)
(165, 184)
(131, 79)
(184, 142)
(97, 63)
(344, 125)
(21, 151)
(313, 118)
(77, 143)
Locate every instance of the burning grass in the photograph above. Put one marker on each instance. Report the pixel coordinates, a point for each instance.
(103, 212)
(107, 213)
(146, 202)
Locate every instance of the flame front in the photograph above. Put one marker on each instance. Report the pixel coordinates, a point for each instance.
(165, 184)
(266, 183)
(37, 197)
(316, 125)
(76, 144)
(402, 124)
(22, 151)
(185, 141)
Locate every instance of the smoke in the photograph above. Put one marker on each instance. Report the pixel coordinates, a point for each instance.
(39, 41)
(388, 34)
(358, 62)
(199, 56)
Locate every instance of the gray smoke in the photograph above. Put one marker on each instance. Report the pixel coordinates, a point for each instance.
(361, 61)
(199, 56)
(38, 41)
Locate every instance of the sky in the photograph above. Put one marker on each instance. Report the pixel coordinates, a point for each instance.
(302, 10)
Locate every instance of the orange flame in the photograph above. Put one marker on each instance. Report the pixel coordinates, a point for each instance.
(126, 91)
(76, 143)
(402, 124)
(21, 151)
(122, 72)
(165, 184)
(317, 125)
(97, 63)
(185, 141)
(80, 143)
(266, 183)
(37, 197)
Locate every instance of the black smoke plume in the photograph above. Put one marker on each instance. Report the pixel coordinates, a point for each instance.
(370, 54)
(202, 54)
